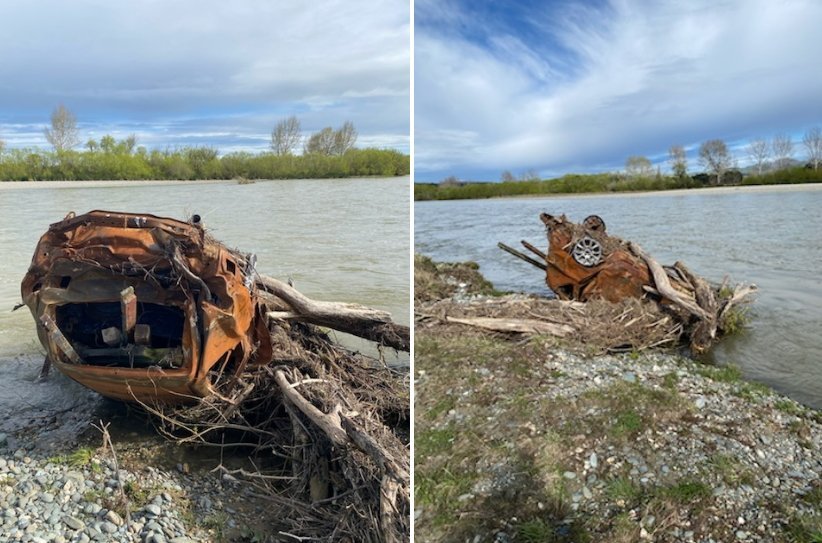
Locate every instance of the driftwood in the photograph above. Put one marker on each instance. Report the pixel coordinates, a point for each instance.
(585, 263)
(521, 256)
(523, 326)
(361, 321)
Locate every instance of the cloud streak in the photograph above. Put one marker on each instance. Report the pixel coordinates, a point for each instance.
(223, 71)
(560, 87)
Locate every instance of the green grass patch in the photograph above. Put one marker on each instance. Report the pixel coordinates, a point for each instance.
(671, 381)
(623, 488)
(433, 441)
(76, 459)
(731, 470)
(440, 490)
(686, 492)
(789, 407)
(444, 405)
(627, 423)
(722, 374)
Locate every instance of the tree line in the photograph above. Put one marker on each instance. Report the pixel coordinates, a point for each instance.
(771, 162)
(325, 154)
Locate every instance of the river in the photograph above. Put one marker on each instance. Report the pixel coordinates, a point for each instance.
(337, 239)
(771, 237)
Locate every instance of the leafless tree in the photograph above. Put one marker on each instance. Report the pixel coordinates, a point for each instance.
(678, 161)
(715, 158)
(782, 150)
(2, 146)
(638, 166)
(506, 177)
(285, 136)
(530, 175)
(813, 143)
(321, 142)
(345, 138)
(759, 151)
(63, 134)
(332, 142)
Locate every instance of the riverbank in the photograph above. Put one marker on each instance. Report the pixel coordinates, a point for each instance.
(108, 183)
(543, 189)
(739, 189)
(524, 439)
(58, 484)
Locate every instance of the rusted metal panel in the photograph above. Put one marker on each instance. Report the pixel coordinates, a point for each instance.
(181, 302)
(584, 262)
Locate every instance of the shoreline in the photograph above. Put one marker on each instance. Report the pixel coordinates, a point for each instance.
(106, 183)
(790, 187)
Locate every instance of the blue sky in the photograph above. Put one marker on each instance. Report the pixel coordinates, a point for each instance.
(557, 87)
(205, 72)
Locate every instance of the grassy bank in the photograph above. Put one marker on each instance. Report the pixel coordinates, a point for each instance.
(534, 439)
(195, 163)
(596, 183)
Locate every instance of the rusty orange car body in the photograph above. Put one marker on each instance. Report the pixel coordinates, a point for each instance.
(144, 308)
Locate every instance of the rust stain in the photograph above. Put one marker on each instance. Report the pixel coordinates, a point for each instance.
(584, 262)
(194, 307)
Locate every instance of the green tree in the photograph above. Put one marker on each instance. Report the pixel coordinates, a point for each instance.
(63, 134)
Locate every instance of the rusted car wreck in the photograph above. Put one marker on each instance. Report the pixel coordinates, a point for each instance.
(584, 262)
(143, 308)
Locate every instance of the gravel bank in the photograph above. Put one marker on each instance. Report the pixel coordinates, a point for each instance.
(648, 447)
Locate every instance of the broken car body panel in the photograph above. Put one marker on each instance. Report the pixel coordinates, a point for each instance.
(584, 262)
(149, 305)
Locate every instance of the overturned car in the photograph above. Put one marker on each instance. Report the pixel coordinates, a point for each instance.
(142, 307)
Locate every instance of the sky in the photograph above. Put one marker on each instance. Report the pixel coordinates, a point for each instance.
(205, 72)
(555, 87)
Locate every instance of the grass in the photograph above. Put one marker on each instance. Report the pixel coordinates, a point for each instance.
(624, 410)
(686, 492)
(789, 407)
(431, 442)
(731, 470)
(444, 405)
(671, 380)
(217, 522)
(76, 459)
(627, 423)
(721, 374)
(623, 488)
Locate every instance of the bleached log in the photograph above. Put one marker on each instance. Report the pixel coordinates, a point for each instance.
(359, 320)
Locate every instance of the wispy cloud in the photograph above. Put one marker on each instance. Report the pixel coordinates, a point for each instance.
(223, 72)
(560, 86)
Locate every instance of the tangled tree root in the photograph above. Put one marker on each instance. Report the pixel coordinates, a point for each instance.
(335, 425)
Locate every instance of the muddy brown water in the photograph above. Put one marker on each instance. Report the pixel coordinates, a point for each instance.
(772, 238)
(339, 240)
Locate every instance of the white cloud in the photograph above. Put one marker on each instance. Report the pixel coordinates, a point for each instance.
(150, 61)
(644, 76)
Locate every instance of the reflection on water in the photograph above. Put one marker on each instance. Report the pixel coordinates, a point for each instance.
(337, 239)
(773, 239)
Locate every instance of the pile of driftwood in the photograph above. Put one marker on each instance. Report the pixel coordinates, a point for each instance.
(611, 295)
(155, 311)
(335, 423)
